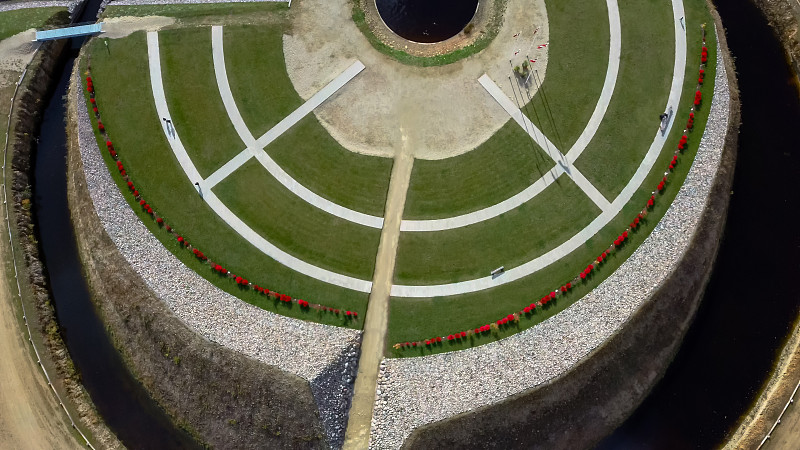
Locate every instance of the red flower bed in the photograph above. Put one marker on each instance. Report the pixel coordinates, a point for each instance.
(241, 281)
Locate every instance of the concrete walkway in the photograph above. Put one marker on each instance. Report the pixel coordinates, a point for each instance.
(255, 147)
(612, 71)
(154, 59)
(598, 223)
(377, 317)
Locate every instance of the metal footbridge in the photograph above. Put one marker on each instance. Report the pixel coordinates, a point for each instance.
(70, 32)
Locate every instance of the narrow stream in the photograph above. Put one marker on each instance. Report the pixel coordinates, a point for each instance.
(122, 402)
(748, 310)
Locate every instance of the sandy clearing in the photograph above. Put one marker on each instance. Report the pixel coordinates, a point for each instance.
(15, 53)
(456, 113)
(119, 27)
(30, 416)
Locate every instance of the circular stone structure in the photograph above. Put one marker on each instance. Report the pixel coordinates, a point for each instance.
(426, 20)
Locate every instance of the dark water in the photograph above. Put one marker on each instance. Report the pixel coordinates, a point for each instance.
(121, 400)
(426, 20)
(752, 298)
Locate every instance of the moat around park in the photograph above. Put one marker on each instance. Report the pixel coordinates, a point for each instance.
(439, 233)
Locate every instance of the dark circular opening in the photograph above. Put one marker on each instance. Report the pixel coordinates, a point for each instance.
(426, 20)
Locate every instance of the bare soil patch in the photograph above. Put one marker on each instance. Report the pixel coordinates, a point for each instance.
(455, 112)
(119, 27)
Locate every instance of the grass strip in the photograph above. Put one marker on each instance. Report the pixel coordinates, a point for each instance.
(507, 163)
(297, 227)
(194, 99)
(193, 11)
(509, 240)
(17, 21)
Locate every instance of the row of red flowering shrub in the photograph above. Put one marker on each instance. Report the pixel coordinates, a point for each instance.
(242, 282)
(584, 275)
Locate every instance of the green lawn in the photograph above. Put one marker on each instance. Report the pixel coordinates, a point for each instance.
(264, 95)
(194, 101)
(501, 167)
(576, 68)
(418, 319)
(122, 82)
(296, 226)
(642, 89)
(257, 75)
(509, 240)
(508, 162)
(13, 22)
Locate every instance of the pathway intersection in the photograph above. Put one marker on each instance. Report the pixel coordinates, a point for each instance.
(381, 287)
(564, 164)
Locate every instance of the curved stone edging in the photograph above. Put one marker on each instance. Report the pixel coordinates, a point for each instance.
(314, 352)
(414, 392)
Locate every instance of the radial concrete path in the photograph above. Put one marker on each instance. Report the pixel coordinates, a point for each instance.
(256, 147)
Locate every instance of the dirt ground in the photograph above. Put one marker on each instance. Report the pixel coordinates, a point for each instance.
(456, 113)
(30, 416)
(15, 53)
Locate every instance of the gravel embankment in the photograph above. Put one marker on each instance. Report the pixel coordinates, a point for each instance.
(413, 392)
(325, 356)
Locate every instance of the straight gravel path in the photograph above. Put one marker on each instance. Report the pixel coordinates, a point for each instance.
(377, 317)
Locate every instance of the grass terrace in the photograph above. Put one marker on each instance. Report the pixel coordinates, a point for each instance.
(297, 227)
(121, 76)
(642, 89)
(414, 319)
(509, 240)
(507, 163)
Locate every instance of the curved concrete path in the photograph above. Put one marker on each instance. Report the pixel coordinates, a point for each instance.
(154, 59)
(528, 268)
(513, 202)
(598, 223)
(256, 147)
